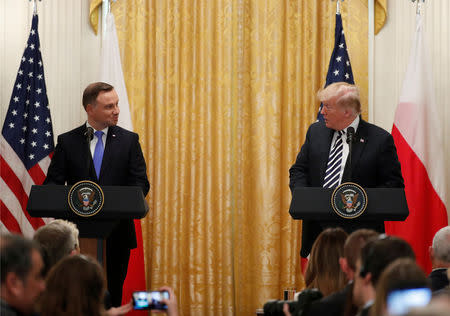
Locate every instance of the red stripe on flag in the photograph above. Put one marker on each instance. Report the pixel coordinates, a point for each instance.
(135, 280)
(8, 219)
(37, 174)
(14, 183)
(427, 213)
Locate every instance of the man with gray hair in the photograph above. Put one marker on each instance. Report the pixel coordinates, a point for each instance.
(57, 239)
(440, 259)
(323, 159)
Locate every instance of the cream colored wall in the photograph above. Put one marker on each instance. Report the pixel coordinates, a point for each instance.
(392, 48)
(70, 52)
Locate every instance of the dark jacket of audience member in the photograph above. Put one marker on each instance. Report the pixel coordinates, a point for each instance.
(440, 259)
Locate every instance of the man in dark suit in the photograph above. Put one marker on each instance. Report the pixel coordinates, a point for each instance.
(112, 157)
(375, 256)
(374, 161)
(440, 259)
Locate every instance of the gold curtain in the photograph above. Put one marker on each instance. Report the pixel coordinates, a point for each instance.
(221, 94)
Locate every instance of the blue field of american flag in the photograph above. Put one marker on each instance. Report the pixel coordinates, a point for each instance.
(339, 68)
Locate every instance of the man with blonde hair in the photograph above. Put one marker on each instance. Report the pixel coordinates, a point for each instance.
(323, 158)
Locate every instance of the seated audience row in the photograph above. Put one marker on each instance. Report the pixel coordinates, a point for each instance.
(48, 275)
(379, 269)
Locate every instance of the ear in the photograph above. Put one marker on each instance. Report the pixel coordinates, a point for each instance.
(343, 264)
(346, 268)
(431, 252)
(89, 108)
(75, 251)
(368, 278)
(14, 284)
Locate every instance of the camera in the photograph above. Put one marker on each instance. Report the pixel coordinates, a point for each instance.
(399, 302)
(150, 300)
(296, 307)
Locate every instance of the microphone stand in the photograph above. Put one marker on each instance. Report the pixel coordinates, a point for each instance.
(89, 134)
(350, 139)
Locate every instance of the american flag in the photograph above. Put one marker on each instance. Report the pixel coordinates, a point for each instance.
(27, 140)
(339, 68)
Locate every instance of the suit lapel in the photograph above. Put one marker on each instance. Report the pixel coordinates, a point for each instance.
(359, 144)
(111, 139)
(325, 143)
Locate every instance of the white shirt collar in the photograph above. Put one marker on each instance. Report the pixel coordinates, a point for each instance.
(105, 130)
(354, 124)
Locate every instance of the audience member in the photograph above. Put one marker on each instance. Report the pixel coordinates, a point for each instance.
(375, 257)
(75, 286)
(57, 239)
(341, 302)
(323, 272)
(440, 259)
(21, 275)
(401, 274)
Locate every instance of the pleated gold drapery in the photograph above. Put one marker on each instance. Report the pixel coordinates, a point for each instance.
(221, 94)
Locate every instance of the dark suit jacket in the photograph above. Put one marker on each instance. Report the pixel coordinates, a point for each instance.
(123, 165)
(335, 304)
(374, 164)
(438, 278)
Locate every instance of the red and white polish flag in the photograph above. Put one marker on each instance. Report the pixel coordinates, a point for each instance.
(417, 133)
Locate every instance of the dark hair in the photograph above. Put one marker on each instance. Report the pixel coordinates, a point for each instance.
(379, 253)
(401, 274)
(323, 270)
(75, 287)
(92, 91)
(16, 252)
(355, 242)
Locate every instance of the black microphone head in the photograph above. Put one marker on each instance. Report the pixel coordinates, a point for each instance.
(350, 134)
(89, 133)
(350, 130)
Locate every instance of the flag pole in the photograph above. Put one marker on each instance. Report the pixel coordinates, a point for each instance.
(105, 10)
(338, 6)
(34, 6)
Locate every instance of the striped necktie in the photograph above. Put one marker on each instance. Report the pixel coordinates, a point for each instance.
(333, 172)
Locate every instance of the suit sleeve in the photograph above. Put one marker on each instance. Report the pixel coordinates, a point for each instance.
(389, 170)
(299, 172)
(56, 173)
(137, 168)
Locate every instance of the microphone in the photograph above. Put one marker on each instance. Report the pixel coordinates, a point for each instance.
(89, 134)
(350, 135)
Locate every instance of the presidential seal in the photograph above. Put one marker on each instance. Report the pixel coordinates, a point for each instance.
(349, 200)
(85, 198)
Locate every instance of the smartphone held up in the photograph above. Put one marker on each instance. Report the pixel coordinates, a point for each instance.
(150, 300)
